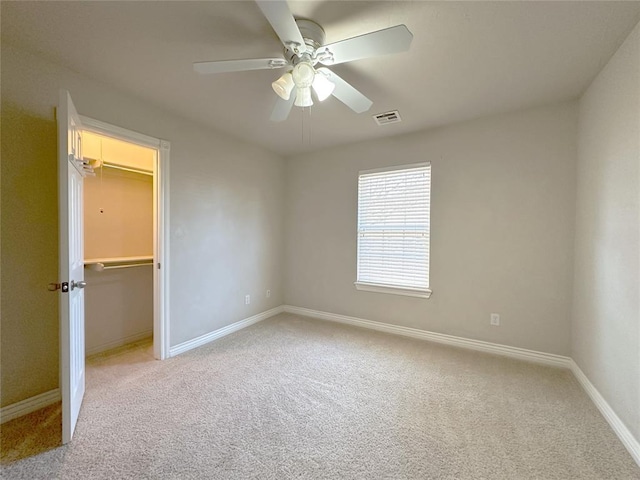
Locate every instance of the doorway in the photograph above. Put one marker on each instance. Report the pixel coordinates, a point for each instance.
(124, 242)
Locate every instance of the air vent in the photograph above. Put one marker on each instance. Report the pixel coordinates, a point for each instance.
(387, 117)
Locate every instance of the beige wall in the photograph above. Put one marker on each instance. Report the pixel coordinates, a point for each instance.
(118, 307)
(226, 208)
(606, 306)
(125, 226)
(501, 232)
(28, 255)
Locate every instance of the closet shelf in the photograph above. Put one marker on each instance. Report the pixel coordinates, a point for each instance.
(110, 263)
(127, 169)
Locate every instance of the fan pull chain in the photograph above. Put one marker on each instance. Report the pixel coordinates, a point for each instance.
(306, 126)
(101, 183)
(302, 128)
(310, 126)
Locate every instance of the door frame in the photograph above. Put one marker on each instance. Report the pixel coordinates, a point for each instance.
(161, 343)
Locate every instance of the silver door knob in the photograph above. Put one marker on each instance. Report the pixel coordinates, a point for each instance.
(80, 284)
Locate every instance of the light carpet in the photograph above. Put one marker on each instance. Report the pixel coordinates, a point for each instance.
(292, 397)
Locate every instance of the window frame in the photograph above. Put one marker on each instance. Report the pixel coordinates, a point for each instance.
(390, 288)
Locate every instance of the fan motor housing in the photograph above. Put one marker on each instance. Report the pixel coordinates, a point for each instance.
(313, 35)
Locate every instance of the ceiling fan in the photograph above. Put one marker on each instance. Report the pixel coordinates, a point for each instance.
(304, 48)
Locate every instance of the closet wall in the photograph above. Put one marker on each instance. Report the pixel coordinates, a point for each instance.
(118, 223)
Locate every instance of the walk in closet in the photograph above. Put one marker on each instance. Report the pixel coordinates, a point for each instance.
(118, 243)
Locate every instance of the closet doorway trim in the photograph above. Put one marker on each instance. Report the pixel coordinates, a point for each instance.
(161, 320)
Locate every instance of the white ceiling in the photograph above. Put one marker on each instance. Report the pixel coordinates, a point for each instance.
(467, 59)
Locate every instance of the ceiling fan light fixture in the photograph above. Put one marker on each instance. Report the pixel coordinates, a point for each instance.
(303, 97)
(303, 74)
(322, 86)
(305, 47)
(283, 86)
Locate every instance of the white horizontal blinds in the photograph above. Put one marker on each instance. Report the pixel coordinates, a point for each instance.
(393, 227)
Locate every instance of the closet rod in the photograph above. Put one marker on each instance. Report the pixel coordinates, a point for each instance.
(113, 267)
(100, 266)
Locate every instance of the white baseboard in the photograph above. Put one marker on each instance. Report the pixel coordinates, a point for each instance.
(505, 350)
(620, 429)
(118, 343)
(29, 405)
(221, 332)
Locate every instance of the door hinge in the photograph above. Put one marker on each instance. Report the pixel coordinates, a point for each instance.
(158, 265)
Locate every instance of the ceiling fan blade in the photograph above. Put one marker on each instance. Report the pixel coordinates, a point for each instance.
(347, 94)
(390, 40)
(282, 108)
(279, 16)
(225, 66)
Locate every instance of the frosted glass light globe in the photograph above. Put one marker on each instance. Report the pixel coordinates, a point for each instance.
(303, 75)
(303, 97)
(322, 86)
(283, 86)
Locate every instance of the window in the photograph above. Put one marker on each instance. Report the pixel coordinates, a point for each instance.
(393, 230)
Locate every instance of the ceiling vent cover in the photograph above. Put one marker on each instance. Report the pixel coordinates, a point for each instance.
(387, 117)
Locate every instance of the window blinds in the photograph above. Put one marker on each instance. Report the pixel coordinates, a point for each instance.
(393, 227)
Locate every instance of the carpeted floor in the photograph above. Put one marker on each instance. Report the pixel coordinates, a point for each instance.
(292, 397)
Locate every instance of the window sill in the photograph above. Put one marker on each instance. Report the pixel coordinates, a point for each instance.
(408, 292)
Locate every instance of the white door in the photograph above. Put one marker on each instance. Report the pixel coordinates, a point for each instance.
(70, 175)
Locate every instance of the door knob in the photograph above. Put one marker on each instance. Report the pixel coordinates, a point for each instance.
(80, 284)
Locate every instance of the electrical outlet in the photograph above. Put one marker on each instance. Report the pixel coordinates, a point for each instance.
(247, 299)
(495, 319)
(268, 293)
